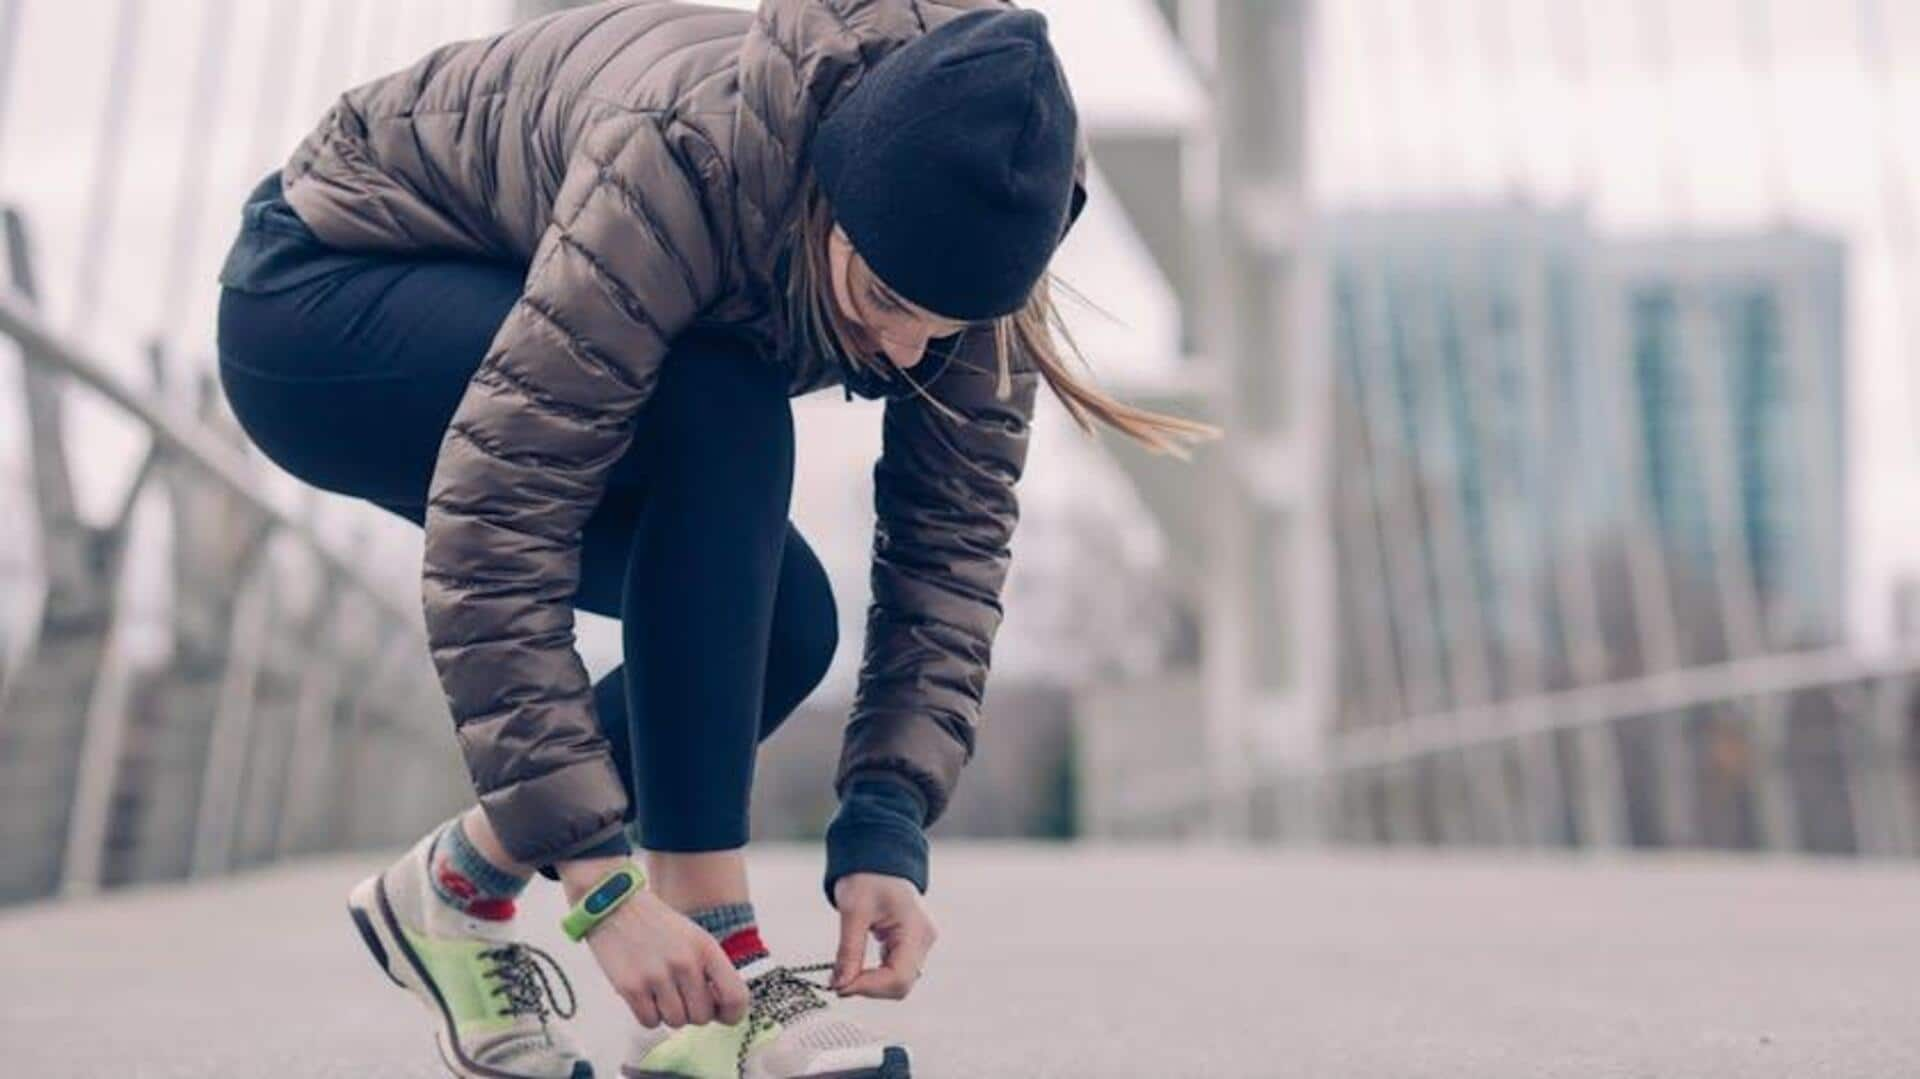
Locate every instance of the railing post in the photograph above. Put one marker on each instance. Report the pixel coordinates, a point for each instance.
(44, 715)
(1772, 775)
(284, 653)
(1601, 809)
(1497, 817)
(1861, 757)
(307, 666)
(234, 715)
(1403, 802)
(1546, 790)
(1894, 766)
(1676, 770)
(332, 669)
(1459, 800)
(216, 544)
(104, 736)
(362, 724)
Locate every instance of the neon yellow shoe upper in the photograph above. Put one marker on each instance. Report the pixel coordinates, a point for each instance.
(706, 1051)
(489, 986)
(494, 1005)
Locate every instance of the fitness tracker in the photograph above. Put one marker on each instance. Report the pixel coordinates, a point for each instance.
(609, 892)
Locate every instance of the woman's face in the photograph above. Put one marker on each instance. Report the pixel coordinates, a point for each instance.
(885, 322)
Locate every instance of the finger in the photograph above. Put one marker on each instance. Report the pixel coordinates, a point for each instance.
(641, 1004)
(730, 996)
(691, 979)
(908, 957)
(883, 983)
(853, 945)
(666, 995)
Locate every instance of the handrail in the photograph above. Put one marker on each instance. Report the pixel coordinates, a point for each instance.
(1588, 706)
(48, 347)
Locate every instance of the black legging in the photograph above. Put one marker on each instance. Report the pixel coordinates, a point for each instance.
(348, 381)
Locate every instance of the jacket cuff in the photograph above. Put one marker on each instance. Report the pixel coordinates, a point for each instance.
(617, 845)
(913, 747)
(549, 818)
(879, 828)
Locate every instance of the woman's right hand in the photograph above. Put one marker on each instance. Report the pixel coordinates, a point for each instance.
(666, 968)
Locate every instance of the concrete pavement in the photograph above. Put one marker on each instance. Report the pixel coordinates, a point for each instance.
(1089, 961)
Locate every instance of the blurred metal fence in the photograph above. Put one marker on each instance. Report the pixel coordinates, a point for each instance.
(1815, 752)
(1808, 752)
(296, 710)
(198, 682)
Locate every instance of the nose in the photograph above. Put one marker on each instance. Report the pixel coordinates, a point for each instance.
(905, 348)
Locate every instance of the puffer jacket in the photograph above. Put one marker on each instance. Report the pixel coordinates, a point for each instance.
(644, 158)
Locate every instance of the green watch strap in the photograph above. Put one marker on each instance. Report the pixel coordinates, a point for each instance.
(621, 882)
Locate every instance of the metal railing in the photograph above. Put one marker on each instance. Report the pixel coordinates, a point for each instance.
(296, 709)
(1811, 752)
(1797, 752)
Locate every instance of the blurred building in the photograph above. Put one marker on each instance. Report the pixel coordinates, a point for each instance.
(1463, 459)
(1563, 459)
(1737, 348)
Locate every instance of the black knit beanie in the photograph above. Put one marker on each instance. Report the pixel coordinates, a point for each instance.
(950, 164)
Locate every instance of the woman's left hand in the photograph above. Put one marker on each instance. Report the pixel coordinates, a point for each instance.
(890, 909)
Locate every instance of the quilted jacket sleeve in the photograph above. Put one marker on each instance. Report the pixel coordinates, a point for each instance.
(945, 511)
(627, 261)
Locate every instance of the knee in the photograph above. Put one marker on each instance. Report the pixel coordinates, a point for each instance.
(719, 416)
(718, 389)
(801, 652)
(810, 646)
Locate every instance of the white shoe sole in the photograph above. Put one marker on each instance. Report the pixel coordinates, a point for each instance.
(893, 1065)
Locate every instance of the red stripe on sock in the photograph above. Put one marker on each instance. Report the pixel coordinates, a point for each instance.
(744, 945)
(456, 882)
(467, 897)
(493, 908)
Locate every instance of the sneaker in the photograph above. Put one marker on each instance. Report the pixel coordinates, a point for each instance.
(486, 991)
(790, 1032)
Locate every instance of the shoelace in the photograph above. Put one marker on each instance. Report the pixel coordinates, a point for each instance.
(778, 995)
(525, 985)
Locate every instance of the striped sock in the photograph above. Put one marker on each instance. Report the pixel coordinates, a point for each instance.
(464, 879)
(733, 925)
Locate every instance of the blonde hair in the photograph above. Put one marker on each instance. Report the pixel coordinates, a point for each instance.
(810, 300)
